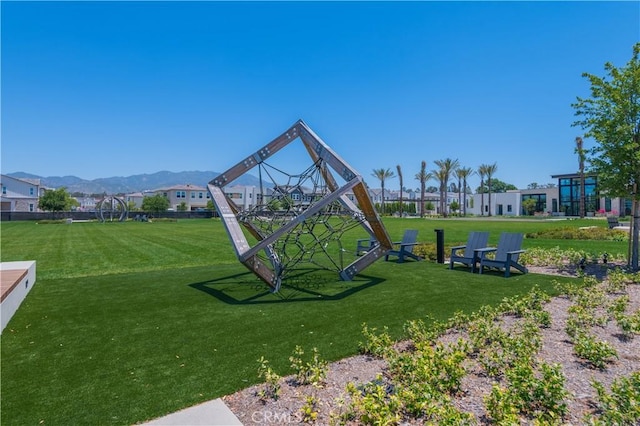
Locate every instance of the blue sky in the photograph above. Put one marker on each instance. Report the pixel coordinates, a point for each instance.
(101, 89)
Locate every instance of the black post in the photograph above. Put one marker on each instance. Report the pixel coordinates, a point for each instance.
(439, 245)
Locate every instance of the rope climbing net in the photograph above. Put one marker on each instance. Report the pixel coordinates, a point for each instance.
(299, 219)
(316, 239)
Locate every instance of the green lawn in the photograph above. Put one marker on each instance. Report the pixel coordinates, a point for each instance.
(131, 321)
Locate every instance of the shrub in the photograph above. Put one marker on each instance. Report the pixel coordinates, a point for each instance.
(313, 371)
(375, 344)
(595, 352)
(591, 233)
(271, 387)
(429, 251)
(621, 406)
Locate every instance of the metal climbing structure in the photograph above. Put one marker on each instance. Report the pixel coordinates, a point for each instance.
(111, 207)
(300, 218)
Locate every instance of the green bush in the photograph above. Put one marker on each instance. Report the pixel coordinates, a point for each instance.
(429, 251)
(587, 233)
(622, 405)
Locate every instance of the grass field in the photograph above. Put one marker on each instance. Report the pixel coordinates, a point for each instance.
(131, 321)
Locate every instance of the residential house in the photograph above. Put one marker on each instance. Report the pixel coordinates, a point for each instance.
(502, 203)
(193, 196)
(134, 199)
(299, 195)
(244, 197)
(20, 195)
(87, 204)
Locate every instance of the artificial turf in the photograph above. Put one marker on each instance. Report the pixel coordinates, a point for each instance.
(131, 321)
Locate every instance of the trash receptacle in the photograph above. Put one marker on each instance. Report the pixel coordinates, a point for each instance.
(439, 245)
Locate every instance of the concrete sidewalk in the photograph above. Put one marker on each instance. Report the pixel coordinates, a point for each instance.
(213, 413)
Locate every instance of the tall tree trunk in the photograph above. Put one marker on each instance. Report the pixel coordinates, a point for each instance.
(482, 197)
(583, 196)
(489, 197)
(400, 178)
(465, 198)
(459, 199)
(635, 231)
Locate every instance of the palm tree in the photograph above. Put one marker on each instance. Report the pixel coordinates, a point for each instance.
(447, 166)
(463, 173)
(400, 177)
(440, 176)
(382, 175)
(580, 153)
(491, 170)
(482, 172)
(423, 177)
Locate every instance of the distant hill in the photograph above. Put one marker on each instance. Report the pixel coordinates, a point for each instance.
(134, 183)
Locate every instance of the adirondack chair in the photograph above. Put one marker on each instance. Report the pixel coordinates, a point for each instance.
(469, 257)
(405, 247)
(363, 245)
(506, 254)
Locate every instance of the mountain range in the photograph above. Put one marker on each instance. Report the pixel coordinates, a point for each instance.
(129, 184)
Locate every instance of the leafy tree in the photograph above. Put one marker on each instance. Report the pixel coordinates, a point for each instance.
(499, 186)
(454, 206)
(286, 202)
(182, 207)
(131, 206)
(447, 166)
(534, 185)
(274, 204)
(210, 205)
(423, 176)
(529, 206)
(399, 169)
(383, 175)
(611, 116)
(155, 204)
(56, 200)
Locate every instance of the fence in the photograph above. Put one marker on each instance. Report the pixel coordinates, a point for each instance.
(6, 216)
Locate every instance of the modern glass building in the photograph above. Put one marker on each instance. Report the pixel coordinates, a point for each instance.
(569, 194)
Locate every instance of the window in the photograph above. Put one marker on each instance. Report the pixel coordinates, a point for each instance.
(4, 190)
(31, 207)
(509, 208)
(570, 195)
(30, 191)
(181, 194)
(200, 195)
(193, 195)
(541, 202)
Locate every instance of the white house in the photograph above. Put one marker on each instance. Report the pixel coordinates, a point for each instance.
(20, 195)
(245, 197)
(502, 203)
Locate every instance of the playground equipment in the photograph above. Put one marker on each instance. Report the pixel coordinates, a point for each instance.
(299, 218)
(110, 207)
